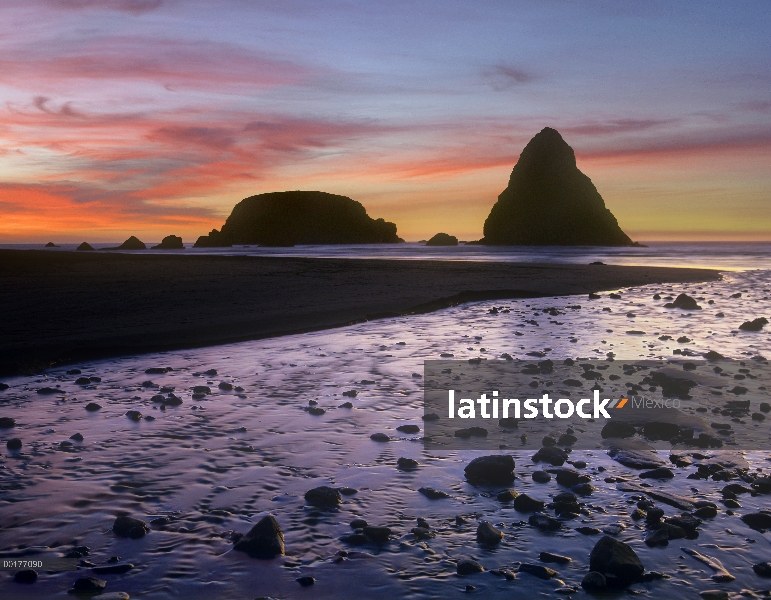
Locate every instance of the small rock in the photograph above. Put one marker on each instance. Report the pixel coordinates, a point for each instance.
(92, 406)
(377, 534)
(7, 422)
(134, 415)
(78, 437)
(754, 325)
(526, 503)
(660, 473)
(306, 580)
(13, 444)
(323, 496)
(408, 428)
(544, 522)
(433, 494)
(714, 595)
(488, 534)
(685, 302)
(407, 464)
(130, 527)
(113, 569)
(538, 571)
(264, 540)
(555, 558)
(495, 469)
(469, 567)
(25, 576)
(594, 582)
(89, 584)
(380, 437)
(553, 455)
(612, 557)
(616, 429)
(762, 569)
(507, 495)
(758, 520)
(541, 477)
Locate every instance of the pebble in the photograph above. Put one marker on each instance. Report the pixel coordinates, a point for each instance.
(7, 422)
(380, 437)
(408, 428)
(541, 477)
(526, 503)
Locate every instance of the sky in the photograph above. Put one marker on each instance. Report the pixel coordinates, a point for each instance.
(155, 117)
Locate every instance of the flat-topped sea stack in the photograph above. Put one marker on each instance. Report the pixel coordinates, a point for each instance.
(549, 202)
(300, 217)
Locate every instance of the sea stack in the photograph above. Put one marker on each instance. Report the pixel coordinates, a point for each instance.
(300, 217)
(550, 202)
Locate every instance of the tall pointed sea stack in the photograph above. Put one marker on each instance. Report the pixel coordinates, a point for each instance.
(549, 202)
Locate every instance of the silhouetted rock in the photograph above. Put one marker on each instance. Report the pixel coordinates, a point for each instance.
(550, 202)
(264, 540)
(129, 527)
(170, 242)
(442, 239)
(133, 243)
(85, 247)
(51, 245)
(683, 301)
(754, 325)
(299, 217)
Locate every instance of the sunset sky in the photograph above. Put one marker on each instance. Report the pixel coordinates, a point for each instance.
(154, 117)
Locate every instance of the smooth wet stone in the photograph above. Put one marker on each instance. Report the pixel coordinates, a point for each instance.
(7, 422)
(495, 469)
(758, 521)
(754, 325)
(714, 595)
(537, 571)
(358, 524)
(50, 390)
(201, 389)
(594, 582)
(407, 464)
(467, 566)
(541, 477)
(89, 584)
(408, 428)
(657, 537)
(488, 534)
(617, 559)
(583, 489)
(13, 444)
(225, 386)
(569, 477)
(25, 576)
(526, 503)
(377, 534)
(684, 302)
(130, 527)
(92, 406)
(83, 381)
(762, 569)
(433, 494)
(555, 558)
(264, 540)
(553, 455)
(544, 522)
(323, 496)
(586, 530)
(134, 415)
(306, 580)
(471, 432)
(78, 437)
(706, 512)
(380, 437)
(660, 473)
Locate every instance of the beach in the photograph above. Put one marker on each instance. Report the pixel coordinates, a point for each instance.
(69, 306)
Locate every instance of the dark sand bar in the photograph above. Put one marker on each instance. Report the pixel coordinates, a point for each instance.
(65, 306)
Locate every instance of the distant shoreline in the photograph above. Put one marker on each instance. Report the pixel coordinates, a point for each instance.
(65, 307)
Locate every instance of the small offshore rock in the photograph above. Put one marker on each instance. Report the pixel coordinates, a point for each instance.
(754, 325)
(380, 437)
(113, 569)
(130, 527)
(134, 415)
(553, 455)
(544, 522)
(507, 495)
(358, 524)
(467, 566)
(264, 540)
(488, 534)
(323, 496)
(541, 477)
(660, 473)
(408, 428)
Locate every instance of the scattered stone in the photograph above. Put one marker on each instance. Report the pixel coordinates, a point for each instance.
(13, 444)
(134, 415)
(83, 381)
(544, 522)
(758, 521)
(25, 576)
(130, 527)
(89, 584)
(706, 512)
(358, 524)
(553, 455)
(50, 390)
(471, 432)
(660, 473)
(585, 530)
(380, 437)
(377, 534)
(525, 503)
(507, 495)
(407, 464)
(306, 580)
(495, 469)
(616, 559)
(569, 477)
(541, 477)
(467, 566)
(488, 534)
(264, 540)
(408, 428)
(617, 429)
(762, 569)
(113, 569)
(714, 595)
(683, 301)
(555, 558)
(754, 325)
(538, 571)
(324, 497)
(92, 406)
(433, 494)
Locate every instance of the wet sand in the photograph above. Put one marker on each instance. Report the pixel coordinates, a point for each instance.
(64, 307)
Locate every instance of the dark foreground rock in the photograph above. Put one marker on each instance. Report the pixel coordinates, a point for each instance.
(495, 469)
(758, 521)
(25, 576)
(549, 202)
(170, 242)
(488, 534)
(264, 540)
(442, 239)
(324, 497)
(684, 302)
(617, 561)
(130, 527)
(467, 566)
(300, 217)
(754, 325)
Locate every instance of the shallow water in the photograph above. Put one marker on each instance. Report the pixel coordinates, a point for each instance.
(218, 464)
(734, 256)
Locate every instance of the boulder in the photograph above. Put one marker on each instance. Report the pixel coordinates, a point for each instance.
(684, 302)
(616, 559)
(525, 503)
(488, 534)
(323, 496)
(170, 242)
(550, 202)
(469, 567)
(758, 521)
(300, 217)
(131, 244)
(442, 239)
(497, 469)
(754, 325)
